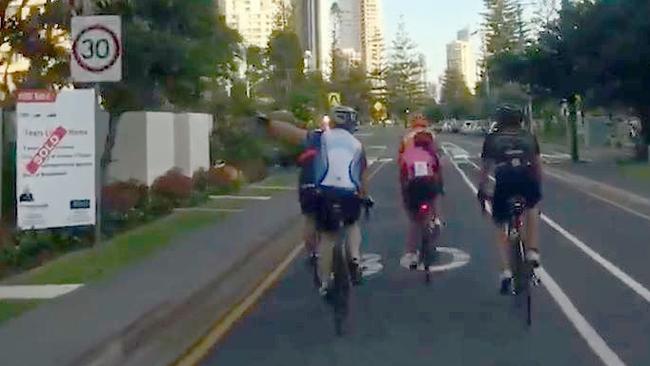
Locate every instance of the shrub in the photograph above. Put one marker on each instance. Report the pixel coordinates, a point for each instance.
(253, 170)
(122, 197)
(223, 175)
(173, 186)
(201, 180)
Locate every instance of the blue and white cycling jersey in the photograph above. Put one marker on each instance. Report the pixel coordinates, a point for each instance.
(340, 161)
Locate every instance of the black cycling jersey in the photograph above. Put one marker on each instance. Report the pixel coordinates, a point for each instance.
(511, 147)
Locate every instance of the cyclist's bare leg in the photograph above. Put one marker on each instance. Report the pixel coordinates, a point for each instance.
(327, 240)
(310, 234)
(354, 240)
(532, 229)
(503, 247)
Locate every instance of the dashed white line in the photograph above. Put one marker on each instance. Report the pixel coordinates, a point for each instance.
(586, 330)
(35, 292)
(232, 197)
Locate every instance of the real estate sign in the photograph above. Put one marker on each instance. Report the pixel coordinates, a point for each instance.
(55, 158)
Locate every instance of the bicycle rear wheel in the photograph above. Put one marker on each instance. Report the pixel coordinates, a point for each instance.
(425, 256)
(341, 285)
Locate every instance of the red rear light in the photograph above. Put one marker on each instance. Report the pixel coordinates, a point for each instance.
(424, 208)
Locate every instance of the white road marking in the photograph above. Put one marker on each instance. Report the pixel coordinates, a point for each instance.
(377, 147)
(586, 330)
(609, 266)
(232, 197)
(363, 134)
(207, 209)
(459, 259)
(272, 188)
(371, 264)
(35, 292)
(595, 256)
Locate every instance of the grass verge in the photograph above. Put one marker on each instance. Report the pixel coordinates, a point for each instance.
(637, 171)
(10, 309)
(106, 259)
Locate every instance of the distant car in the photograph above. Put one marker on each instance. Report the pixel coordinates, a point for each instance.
(388, 122)
(467, 128)
(446, 127)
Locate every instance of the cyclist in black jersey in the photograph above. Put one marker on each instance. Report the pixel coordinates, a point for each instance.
(514, 155)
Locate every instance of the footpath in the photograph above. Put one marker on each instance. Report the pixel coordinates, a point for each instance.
(141, 315)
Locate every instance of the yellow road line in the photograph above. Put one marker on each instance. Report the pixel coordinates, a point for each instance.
(198, 352)
(221, 327)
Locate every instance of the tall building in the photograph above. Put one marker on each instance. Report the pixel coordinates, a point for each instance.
(253, 19)
(314, 28)
(460, 56)
(350, 28)
(372, 34)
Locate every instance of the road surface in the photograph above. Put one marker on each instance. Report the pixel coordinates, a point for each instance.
(592, 309)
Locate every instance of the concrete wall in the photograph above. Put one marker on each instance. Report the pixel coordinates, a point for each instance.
(160, 144)
(192, 142)
(148, 144)
(130, 149)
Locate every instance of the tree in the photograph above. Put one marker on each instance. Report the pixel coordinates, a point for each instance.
(285, 58)
(456, 98)
(257, 69)
(581, 53)
(404, 76)
(434, 112)
(503, 26)
(546, 11)
(173, 50)
(36, 33)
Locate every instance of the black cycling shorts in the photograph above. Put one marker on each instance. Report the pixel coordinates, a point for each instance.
(335, 206)
(511, 183)
(308, 198)
(418, 191)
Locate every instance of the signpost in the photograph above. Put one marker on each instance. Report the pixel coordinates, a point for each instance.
(55, 159)
(97, 52)
(96, 48)
(379, 113)
(334, 99)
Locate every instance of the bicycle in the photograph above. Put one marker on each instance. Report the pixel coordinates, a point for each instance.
(338, 293)
(523, 273)
(430, 233)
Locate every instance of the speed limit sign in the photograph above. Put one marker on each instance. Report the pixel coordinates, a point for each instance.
(96, 48)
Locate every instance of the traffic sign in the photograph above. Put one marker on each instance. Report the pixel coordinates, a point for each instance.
(96, 48)
(334, 99)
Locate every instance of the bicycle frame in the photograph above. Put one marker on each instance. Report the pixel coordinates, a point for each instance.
(523, 274)
(425, 216)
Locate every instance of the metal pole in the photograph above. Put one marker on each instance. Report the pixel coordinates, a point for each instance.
(2, 144)
(87, 8)
(573, 129)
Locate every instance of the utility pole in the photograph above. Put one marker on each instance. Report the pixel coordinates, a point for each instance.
(574, 107)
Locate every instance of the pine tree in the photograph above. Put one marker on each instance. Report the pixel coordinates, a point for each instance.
(405, 73)
(504, 26)
(457, 100)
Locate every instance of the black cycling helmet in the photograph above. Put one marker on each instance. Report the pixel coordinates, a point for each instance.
(509, 115)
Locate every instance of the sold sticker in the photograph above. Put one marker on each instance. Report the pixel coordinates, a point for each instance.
(44, 151)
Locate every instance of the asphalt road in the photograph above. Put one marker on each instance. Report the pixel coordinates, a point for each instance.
(591, 309)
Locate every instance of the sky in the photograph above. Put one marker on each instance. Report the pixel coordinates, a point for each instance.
(432, 24)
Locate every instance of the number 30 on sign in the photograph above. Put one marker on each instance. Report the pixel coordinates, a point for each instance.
(96, 49)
